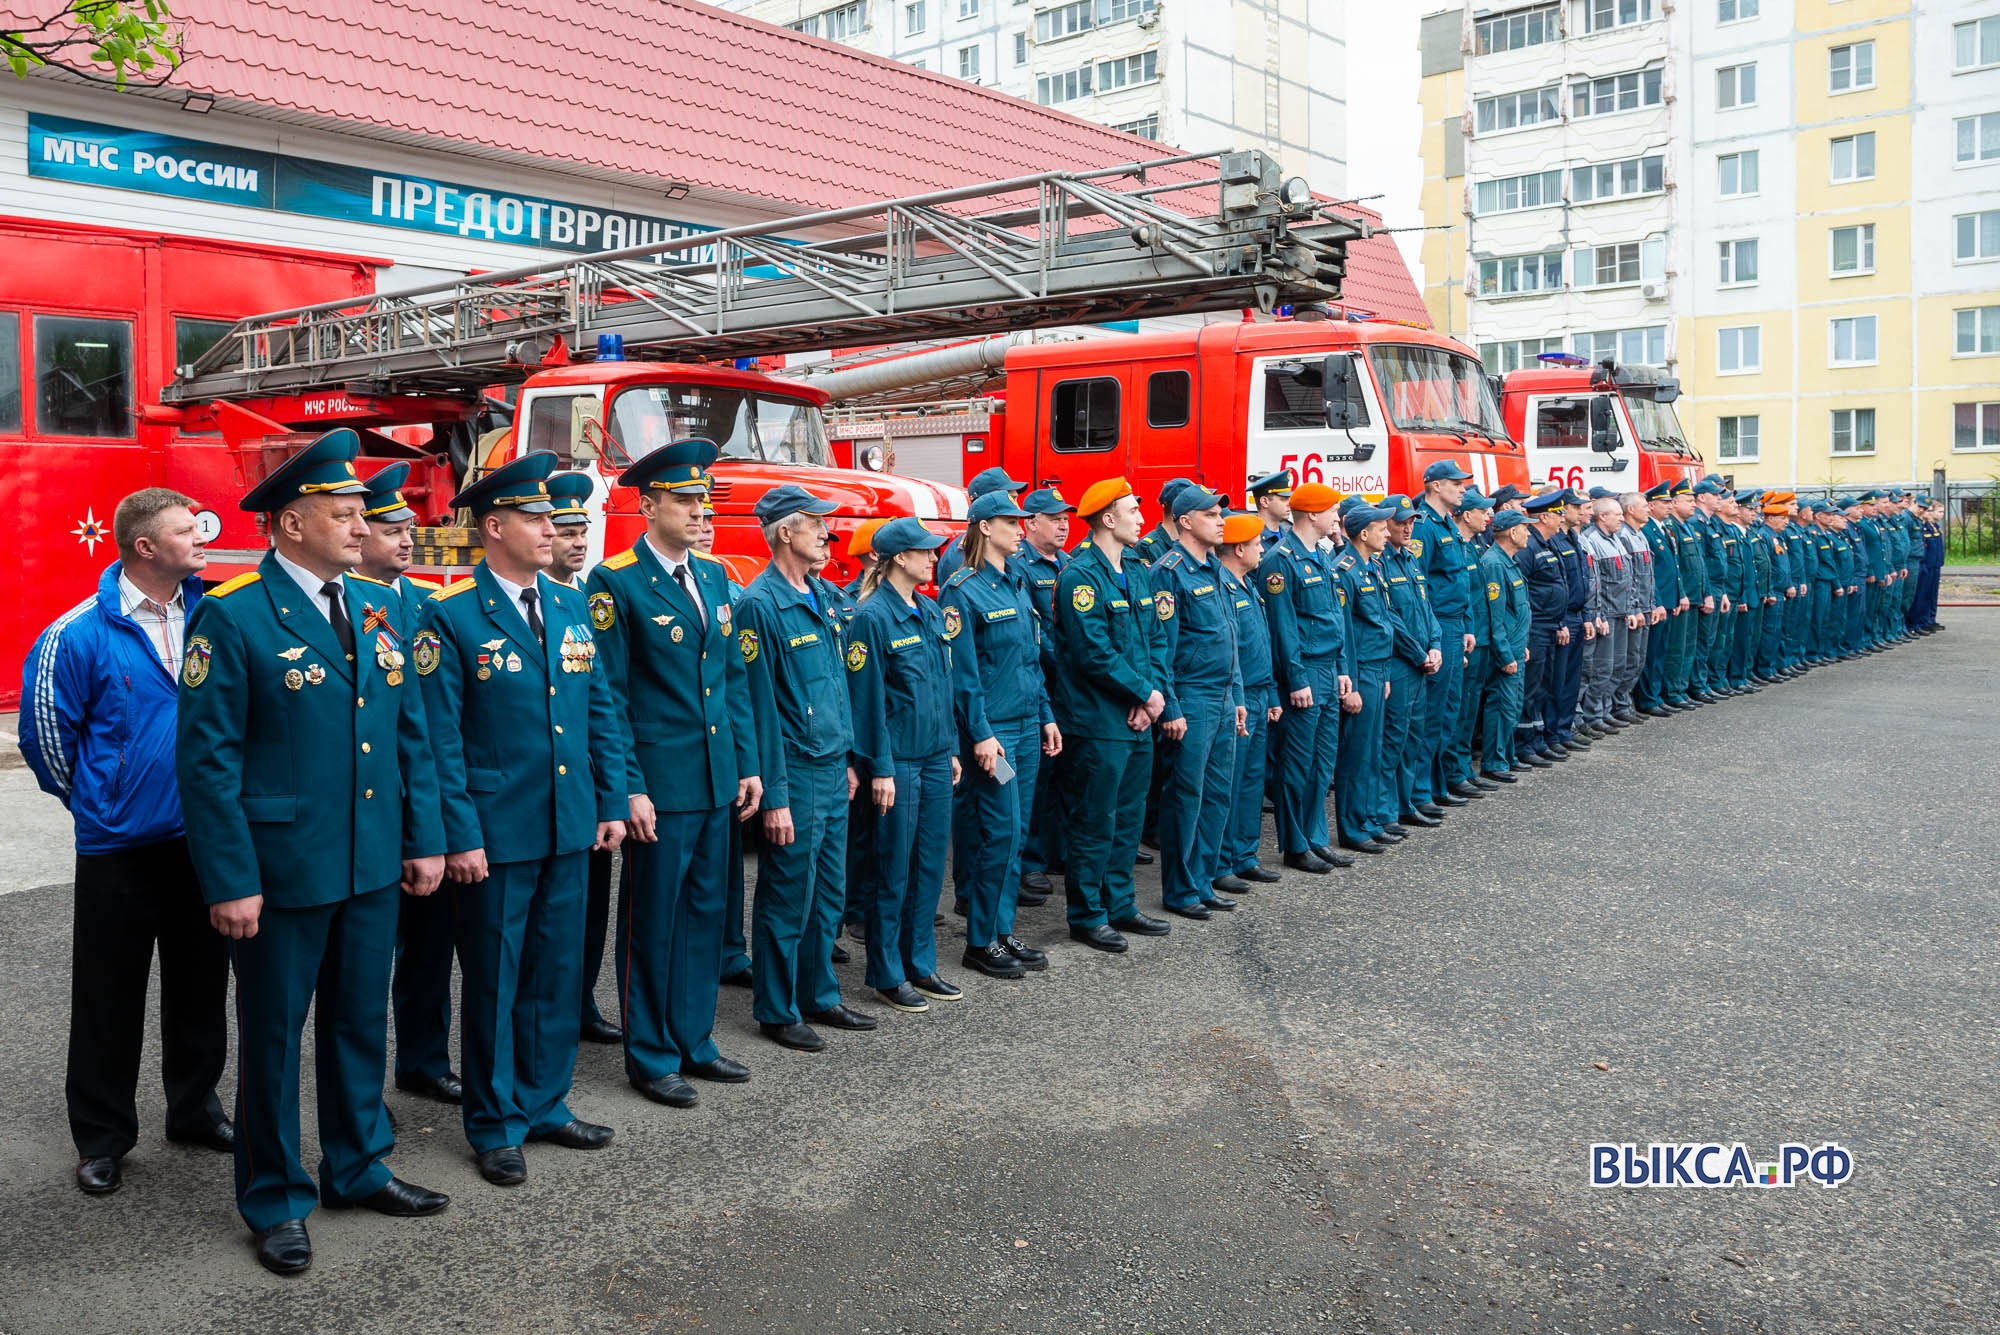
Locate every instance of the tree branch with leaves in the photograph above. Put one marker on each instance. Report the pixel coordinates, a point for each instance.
(134, 40)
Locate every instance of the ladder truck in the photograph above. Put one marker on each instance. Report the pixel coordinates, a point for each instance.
(609, 356)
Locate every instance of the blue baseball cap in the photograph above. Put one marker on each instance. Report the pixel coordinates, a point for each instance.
(1507, 493)
(1047, 501)
(995, 505)
(1446, 470)
(906, 534)
(1474, 499)
(1362, 516)
(1507, 519)
(993, 479)
(1601, 494)
(1399, 508)
(1193, 497)
(790, 499)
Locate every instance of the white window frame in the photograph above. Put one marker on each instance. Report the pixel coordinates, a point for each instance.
(968, 62)
(1648, 256)
(1742, 336)
(1551, 194)
(1065, 21)
(1647, 335)
(1511, 354)
(1985, 427)
(1854, 147)
(968, 9)
(844, 22)
(1735, 11)
(1864, 251)
(1754, 434)
(1121, 72)
(1855, 53)
(1979, 32)
(1977, 125)
(1734, 77)
(1537, 263)
(1730, 262)
(916, 17)
(1978, 221)
(1615, 14)
(1853, 426)
(1984, 320)
(1545, 19)
(1741, 157)
(1638, 166)
(1073, 85)
(1651, 79)
(1871, 323)
(1146, 127)
(1547, 98)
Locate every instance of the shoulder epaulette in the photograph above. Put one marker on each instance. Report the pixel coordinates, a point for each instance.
(422, 581)
(453, 589)
(369, 579)
(701, 556)
(959, 577)
(1172, 558)
(620, 561)
(242, 581)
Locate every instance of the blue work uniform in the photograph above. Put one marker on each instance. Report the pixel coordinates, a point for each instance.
(1042, 850)
(1243, 830)
(1207, 690)
(1446, 561)
(1541, 565)
(1508, 623)
(1309, 650)
(1661, 541)
(1567, 686)
(1373, 626)
(1405, 753)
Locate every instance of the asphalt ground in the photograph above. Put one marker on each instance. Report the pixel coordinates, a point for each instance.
(1362, 1103)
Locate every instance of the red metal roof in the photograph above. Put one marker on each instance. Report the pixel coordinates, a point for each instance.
(667, 90)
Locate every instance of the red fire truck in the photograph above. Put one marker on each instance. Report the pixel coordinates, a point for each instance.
(1604, 425)
(600, 358)
(1363, 405)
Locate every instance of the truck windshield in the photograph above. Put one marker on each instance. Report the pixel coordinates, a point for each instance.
(1656, 425)
(1431, 389)
(744, 425)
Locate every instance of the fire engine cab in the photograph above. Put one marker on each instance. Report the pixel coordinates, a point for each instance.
(1606, 425)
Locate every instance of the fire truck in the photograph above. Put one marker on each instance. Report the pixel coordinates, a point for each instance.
(1606, 425)
(605, 357)
(1361, 404)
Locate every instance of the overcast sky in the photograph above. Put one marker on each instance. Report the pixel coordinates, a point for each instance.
(1383, 116)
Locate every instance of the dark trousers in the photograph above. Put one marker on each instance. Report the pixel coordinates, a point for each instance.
(420, 996)
(1567, 686)
(126, 902)
(1104, 802)
(670, 942)
(597, 922)
(1538, 680)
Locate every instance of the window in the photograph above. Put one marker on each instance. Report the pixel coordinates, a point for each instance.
(1646, 346)
(1516, 354)
(1169, 398)
(1603, 15)
(1063, 21)
(1563, 424)
(1083, 415)
(1511, 32)
(1853, 249)
(1976, 44)
(1614, 93)
(1517, 192)
(1513, 275)
(1978, 138)
(1976, 333)
(914, 17)
(1736, 439)
(968, 63)
(810, 27)
(1854, 157)
(1850, 68)
(848, 21)
(1854, 431)
(1728, 11)
(1740, 350)
(968, 9)
(1978, 235)
(1512, 111)
(1736, 86)
(1739, 263)
(1117, 11)
(83, 377)
(1054, 89)
(10, 372)
(194, 337)
(1146, 127)
(1617, 180)
(1295, 396)
(1021, 47)
(1128, 71)
(1851, 341)
(1736, 173)
(1625, 262)
(1975, 426)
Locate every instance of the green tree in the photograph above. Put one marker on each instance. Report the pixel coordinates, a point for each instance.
(134, 39)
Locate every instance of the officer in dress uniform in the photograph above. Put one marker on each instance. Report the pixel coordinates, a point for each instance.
(532, 764)
(735, 966)
(1271, 494)
(302, 744)
(1241, 552)
(1315, 671)
(666, 638)
(791, 629)
(1372, 629)
(1043, 554)
(420, 997)
(1508, 610)
(1108, 690)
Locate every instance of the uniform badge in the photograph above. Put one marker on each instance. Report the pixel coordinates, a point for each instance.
(294, 679)
(663, 621)
(315, 674)
(483, 673)
(722, 617)
(1163, 603)
(1492, 592)
(425, 649)
(293, 654)
(494, 646)
(513, 662)
(857, 656)
(1417, 547)
(194, 663)
(603, 611)
(1083, 598)
(374, 618)
(952, 621)
(677, 634)
(1274, 582)
(747, 641)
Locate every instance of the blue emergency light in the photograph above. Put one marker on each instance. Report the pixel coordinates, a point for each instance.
(611, 347)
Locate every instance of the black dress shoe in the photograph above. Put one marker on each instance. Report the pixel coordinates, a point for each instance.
(1484, 781)
(1034, 961)
(741, 978)
(1261, 874)
(1626, 717)
(597, 1029)
(904, 998)
(396, 1198)
(1099, 937)
(1231, 885)
(1197, 911)
(993, 961)
(671, 1089)
(1419, 819)
(840, 1017)
(797, 1037)
(1465, 790)
(1537, 760)
(1219, 904)
(1143, 859)
(1556, 751)
(1656, 711)
(721, 1071)
(1141, 925)
(1029, 899)
(446, 1088)
(219, 1136)
(1392, 828)
(1452, 799)
(1363, 846)
(576, 1134)
(1308, 862)
(840, 955)
(961, 907)
(1038, 882)
(1497, 777)
(1390, 837)
(285, 1249)
(937, 989)
(1431, 809)
(99, 1176)
(504, 1167)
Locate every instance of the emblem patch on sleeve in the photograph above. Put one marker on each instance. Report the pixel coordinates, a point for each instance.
(194, 664)
(857, 655)
(952, 621)
(1163, 603)
(1083, 598)
(603, 611)
(425, 651)
(748, 641)
(1274, 582)
(1492, 593)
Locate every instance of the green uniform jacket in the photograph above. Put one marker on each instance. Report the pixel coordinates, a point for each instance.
(1108, 649)
(1503, 607)
(798, 676)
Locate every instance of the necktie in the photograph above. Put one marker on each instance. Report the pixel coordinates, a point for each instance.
(534, 615)
(343, 626)
(685, 578)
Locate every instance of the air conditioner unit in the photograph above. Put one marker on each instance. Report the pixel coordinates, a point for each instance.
(1653, 291)
(1149, 20)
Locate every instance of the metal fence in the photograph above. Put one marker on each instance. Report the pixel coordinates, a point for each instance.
(1972, 521)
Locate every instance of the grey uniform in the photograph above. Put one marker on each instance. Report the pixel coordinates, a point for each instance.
(1639, 557)
(1610, 601)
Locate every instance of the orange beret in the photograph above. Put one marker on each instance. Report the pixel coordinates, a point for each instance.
(1777, 507)
(1314, 498)
(1099, 495)
(862, 540)
(1241, 528)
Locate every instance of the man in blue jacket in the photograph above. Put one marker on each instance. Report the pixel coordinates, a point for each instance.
(97, 728)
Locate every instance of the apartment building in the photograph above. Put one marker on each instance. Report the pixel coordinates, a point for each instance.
(1795, 204)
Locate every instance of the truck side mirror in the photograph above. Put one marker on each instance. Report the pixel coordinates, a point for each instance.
(582, 428)
(1343, 408)
(1603, 429)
